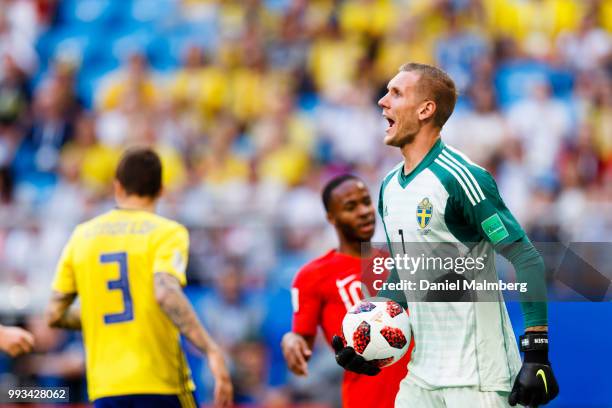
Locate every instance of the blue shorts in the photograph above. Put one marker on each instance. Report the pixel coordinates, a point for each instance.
(186, 400)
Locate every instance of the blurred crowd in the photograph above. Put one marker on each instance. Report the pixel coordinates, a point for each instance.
(253, 105)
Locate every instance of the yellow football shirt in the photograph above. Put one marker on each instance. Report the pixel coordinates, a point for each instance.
(131, 346)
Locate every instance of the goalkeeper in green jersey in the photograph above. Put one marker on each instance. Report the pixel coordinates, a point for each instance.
(465, 352)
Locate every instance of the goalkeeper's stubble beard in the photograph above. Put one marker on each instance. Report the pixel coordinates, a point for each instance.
(404, 135)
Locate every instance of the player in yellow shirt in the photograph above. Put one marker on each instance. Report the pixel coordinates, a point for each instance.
(127, 267)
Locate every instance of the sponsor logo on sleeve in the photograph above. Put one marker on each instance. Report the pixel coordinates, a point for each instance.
(494, 228)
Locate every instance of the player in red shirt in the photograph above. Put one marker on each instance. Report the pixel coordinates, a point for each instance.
(327, 287)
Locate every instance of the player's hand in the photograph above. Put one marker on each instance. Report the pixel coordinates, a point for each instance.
(296, 353)
(535, 383)
(224, 391)
(348, 359)
(15, 341)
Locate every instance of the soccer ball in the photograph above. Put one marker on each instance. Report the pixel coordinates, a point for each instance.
(378, 331)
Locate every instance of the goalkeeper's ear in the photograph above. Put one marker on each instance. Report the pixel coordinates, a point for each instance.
(427, 110)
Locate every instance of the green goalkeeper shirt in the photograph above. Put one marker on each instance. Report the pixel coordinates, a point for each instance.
(449, 199)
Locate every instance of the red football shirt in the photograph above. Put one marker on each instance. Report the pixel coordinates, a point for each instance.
(323, 291)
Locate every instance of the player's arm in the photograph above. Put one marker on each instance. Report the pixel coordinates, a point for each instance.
(170, 297)
(477, 199)
(530, 269)
(297, 349)
(535, 383)
(486, 211)
(15, 341)
(307, 303)
(61, 314)
(170, 252)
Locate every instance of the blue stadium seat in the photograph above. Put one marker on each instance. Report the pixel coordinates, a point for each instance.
(74, 42)
(202, 35)
(514, 81)
(90, 11)
(146, 11)
(161, 55)
(45, 46)
(134, 39)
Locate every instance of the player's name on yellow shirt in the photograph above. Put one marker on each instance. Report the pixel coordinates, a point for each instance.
(136, 227)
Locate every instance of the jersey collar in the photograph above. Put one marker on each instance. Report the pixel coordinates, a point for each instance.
(404, 179)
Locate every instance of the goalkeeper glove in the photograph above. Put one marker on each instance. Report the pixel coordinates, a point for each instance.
(348, 359)
(535, 384)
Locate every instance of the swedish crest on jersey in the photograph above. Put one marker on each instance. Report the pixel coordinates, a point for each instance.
(424, 212)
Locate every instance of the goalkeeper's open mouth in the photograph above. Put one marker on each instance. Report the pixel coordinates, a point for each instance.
(391, 123)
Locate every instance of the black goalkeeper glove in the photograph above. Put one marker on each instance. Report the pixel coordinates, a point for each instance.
(535, 384)
(348, 359)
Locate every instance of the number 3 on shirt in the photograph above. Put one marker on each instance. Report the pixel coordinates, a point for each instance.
(122, 284)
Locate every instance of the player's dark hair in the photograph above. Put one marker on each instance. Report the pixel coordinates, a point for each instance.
(140, 172)
(437, 85)
(332, 185)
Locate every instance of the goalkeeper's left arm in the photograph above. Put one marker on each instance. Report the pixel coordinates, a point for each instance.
(535, 383)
